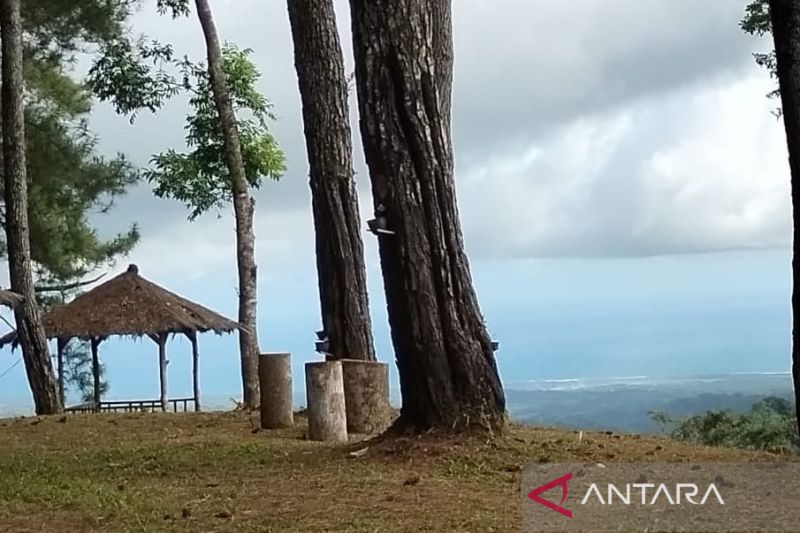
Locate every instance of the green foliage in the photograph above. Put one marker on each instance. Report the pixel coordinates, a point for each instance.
(200, 178)
(55, 30)
(769, 425)
(135, 76)
(78, 370)
(756, 19)
(757, 22)
(176, 8)
(662, 419)
(123, 75)
(68, 180)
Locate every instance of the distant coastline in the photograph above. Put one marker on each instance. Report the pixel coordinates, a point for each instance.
(623, 403)
(736, 378)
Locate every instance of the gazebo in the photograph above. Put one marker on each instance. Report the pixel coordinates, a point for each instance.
(130, 305)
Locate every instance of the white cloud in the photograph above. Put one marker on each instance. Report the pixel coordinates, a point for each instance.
(523, 68)
(701, 171)
(206, 247)
(540, 172)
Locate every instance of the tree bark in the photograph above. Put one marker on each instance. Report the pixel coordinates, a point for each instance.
(275, 371)
(326, 116)
(785, 16)
(95, 346)
(327, 414)
(366, 396)
(243, 206)
(448, 374)
(31, 334)
(443, 49)
(162, 370)
(195, 371)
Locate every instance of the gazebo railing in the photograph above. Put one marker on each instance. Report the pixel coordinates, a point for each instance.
(134, 406)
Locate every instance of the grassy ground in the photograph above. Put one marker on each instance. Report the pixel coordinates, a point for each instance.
(214, 472)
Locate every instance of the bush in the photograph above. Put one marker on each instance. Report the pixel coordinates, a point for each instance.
(769, 425)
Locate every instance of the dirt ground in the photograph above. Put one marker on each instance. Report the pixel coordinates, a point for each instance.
(216, 472)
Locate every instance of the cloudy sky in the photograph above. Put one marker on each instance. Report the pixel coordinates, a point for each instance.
(623, 186)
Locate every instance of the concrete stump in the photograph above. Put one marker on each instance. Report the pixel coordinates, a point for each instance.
(327, 416)
(275, 381)
(366, 395)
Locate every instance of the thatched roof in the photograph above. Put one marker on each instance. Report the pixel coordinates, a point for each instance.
(10, 299)
(129, 305)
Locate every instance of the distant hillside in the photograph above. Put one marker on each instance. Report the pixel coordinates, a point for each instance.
(623, 404)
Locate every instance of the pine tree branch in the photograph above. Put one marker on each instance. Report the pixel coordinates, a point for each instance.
(68, 286)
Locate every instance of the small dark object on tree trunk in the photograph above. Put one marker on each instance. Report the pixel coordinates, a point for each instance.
(30, 332)
(785, 16)
(340, 251)
(404, 60)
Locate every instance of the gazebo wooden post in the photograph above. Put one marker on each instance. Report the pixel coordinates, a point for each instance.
(61, 345)
(192, 335)
(95, 343)
(161, 340)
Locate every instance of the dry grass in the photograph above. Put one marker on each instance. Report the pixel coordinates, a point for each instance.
(212, 472)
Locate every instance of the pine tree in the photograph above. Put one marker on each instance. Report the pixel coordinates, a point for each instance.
(404, 62)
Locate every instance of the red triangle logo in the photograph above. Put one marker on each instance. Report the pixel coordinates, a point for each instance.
(562, 482)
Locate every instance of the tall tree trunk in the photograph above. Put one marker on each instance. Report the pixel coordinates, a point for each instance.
(785, 16)
(443, 49)
(243, 206)
(30, 332)
(448, 373)
(340, 251)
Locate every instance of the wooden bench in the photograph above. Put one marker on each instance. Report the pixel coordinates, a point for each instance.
(132, 406)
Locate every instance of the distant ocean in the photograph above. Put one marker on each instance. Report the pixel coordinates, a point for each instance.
(614, 403)
(623, 403)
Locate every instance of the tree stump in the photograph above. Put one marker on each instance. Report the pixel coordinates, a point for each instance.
(275, 383)
(366, 395)
(327, 416)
